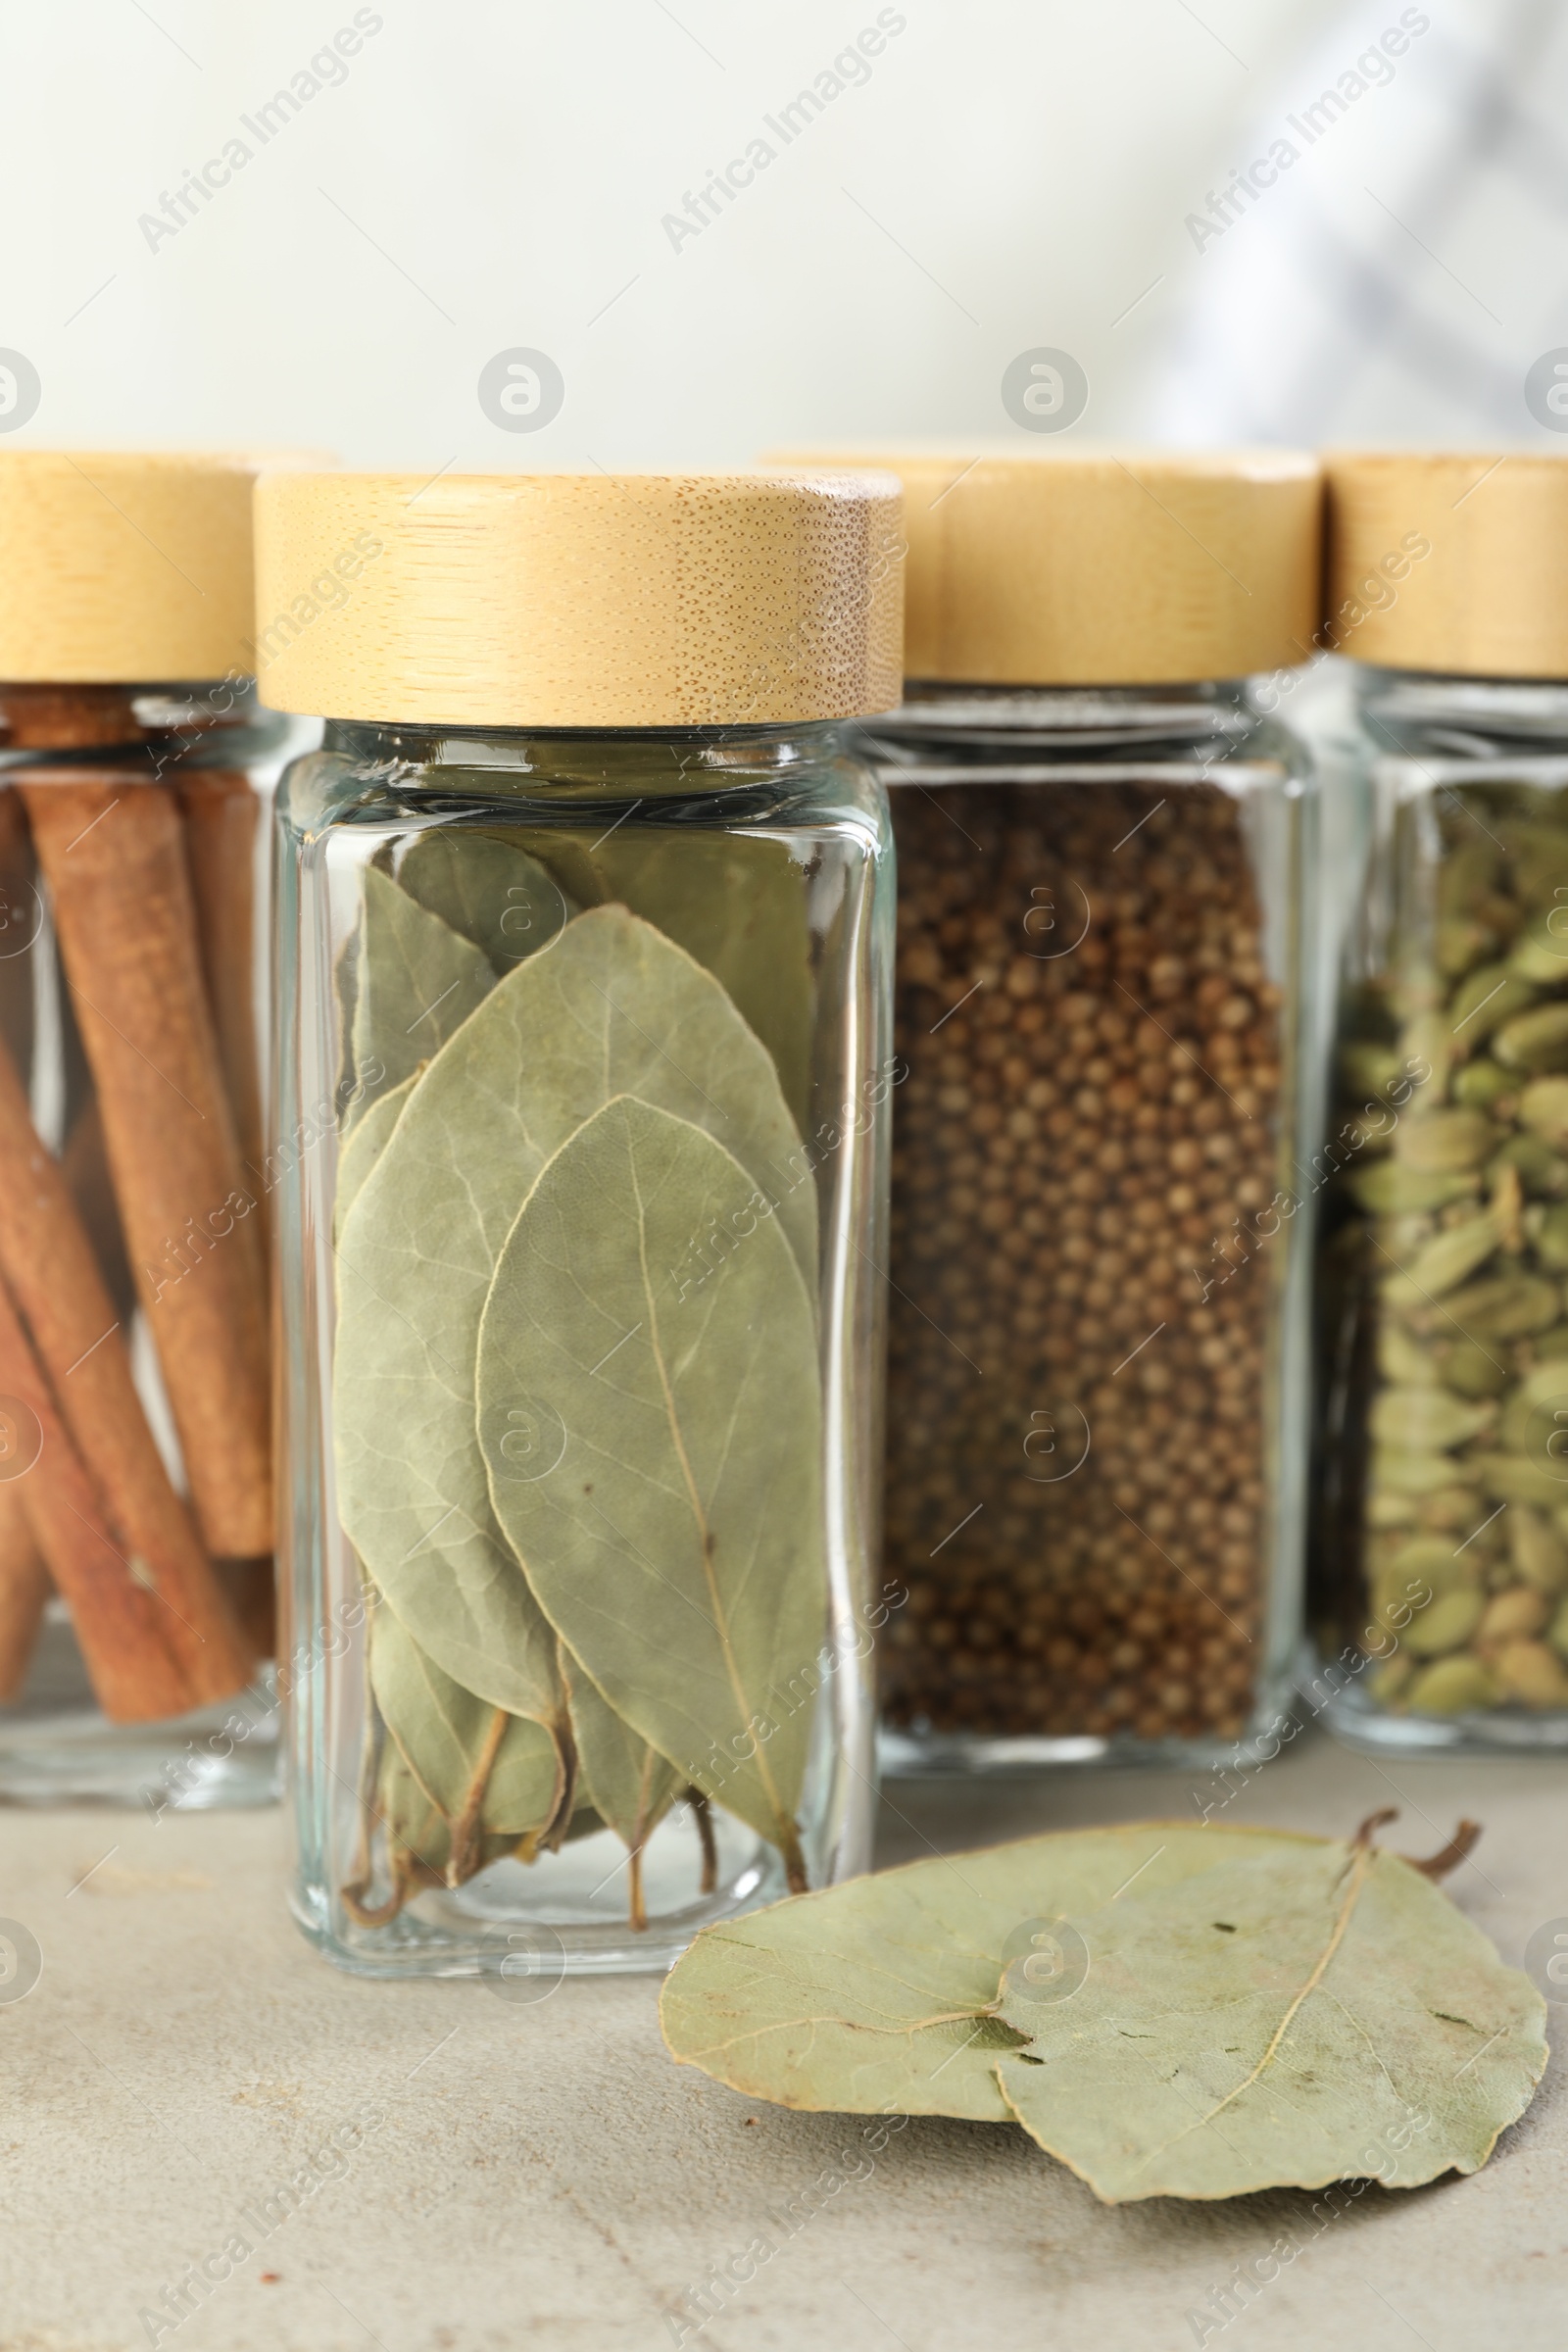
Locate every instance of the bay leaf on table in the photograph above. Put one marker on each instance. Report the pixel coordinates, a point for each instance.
(876, 1998)
(485, 1770)
(612, 1007)
(487, 886)
(416, 981)
(625, 1779)
(737, 903)
(365, 1145)
(676, 1542)
(1295, 2018)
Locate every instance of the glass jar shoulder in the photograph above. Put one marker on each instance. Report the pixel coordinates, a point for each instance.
(1179, 733)
(1424, 731)
(763, 782)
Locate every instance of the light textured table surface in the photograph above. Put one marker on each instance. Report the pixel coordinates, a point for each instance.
(544, 2176)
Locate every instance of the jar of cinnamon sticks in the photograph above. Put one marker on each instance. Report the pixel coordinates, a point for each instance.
(135, 1483)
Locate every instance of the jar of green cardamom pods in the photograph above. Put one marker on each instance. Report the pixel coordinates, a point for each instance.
(1439, 1577)
(1098, 1337)
(583, 1012)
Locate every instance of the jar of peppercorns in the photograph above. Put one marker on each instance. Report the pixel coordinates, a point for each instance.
(1096, 1405)
(1440, 1561)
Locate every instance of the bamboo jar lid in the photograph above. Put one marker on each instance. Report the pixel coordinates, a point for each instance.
(580, 601)
(1103, 567)
(1440, 560)
(126, 566)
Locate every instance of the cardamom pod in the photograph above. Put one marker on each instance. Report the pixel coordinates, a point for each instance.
(1551, 1242)
(1414, 1420)
(1470, 1371)
(1441, 1142)
(1390, 1679)
(1484, 1084)
(1510, 1478)
(1427, 1560)
(1483, 1001)
(1504, 1306)
(1444, 1263)
(1540, 850)
(1461, 941)
(1452, 1687)
(1428, 1038)
(1516, 1614)
(1453, 1510)
(1558, 1636)
(1536, 1040)
(1540, 952)
(1367, 1068)
(1467, 874)
(1391, 1510)
(1446, 1623)
(1537, 1551)
(1391, 1189)
(1403, 1363)
(1411, 1473)
(1543, 1108)
(1531, 1672)
(1528, 1417)
(1541, 1171)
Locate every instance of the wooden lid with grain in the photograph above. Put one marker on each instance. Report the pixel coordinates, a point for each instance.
(126, 566)
(580, 601)
(1103, 567)
(1449, 560)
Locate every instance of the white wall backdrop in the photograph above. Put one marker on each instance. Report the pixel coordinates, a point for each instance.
(1000, 175)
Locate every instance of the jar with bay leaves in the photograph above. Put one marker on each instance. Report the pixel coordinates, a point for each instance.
(1440, 1583)
(586, 932)
(1097, 1337)
(136, 1472)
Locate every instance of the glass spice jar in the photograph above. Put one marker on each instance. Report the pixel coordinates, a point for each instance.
(135, 1474)
(585, 965)
(1440, 1570)
(1096, 1405)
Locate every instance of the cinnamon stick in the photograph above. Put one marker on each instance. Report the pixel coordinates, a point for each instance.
(125, 1631)
(18, 927)
(69, 1336)
(113, 852)
(250, 1585)
(44, 718)
(220, 812)
(25, 1589)
(84, 1165)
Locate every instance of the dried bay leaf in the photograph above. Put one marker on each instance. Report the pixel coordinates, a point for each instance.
(364, 1146)
(1286, 2020)
(736, 902)
(629, 1784)
(610, 1007)
(346, 995)
(876, 1998)
(419, 1852)
(676, 1542)
(485, 1770)
(488, 888)
(416, 981)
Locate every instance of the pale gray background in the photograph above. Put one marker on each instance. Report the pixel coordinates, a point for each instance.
(1014, 173)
